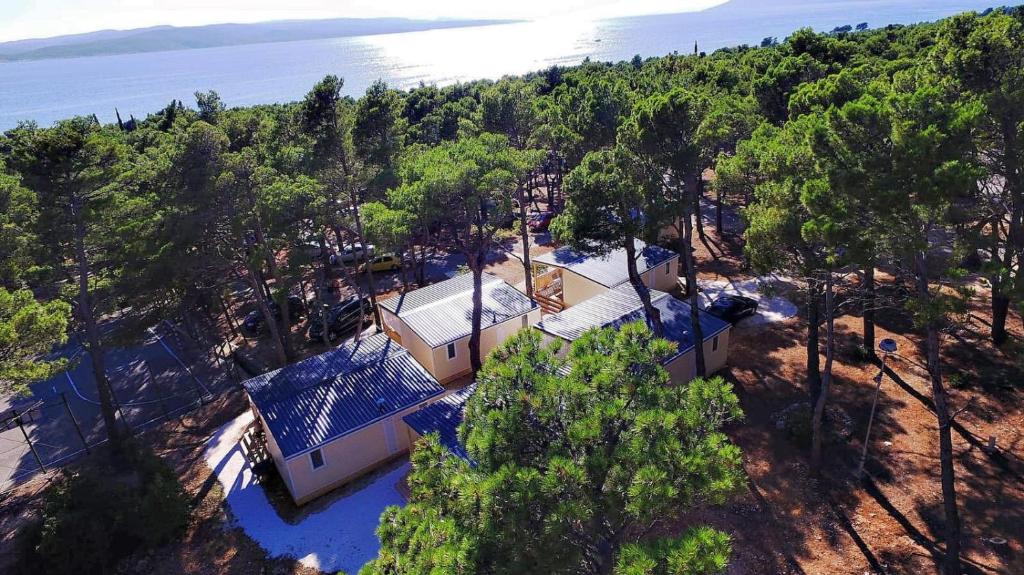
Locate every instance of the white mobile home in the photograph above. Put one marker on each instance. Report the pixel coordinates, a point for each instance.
(564, 278)
(334, 417)
(435, 322)
(621, 305)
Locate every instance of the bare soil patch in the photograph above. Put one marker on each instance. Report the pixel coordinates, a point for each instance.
(790, 522)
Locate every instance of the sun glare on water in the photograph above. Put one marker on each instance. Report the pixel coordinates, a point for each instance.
(446, 56)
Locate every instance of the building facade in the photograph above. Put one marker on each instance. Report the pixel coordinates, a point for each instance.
(435, 322)
(334, 417)
(615, 307)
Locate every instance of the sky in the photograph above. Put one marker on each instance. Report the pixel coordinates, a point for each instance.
(20, 19)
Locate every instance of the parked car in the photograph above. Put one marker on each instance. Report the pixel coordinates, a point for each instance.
(386, 263)
(352, 255)
(733, 308)
(342, 319)
(539, 221)
(253, 322)
(313, 251)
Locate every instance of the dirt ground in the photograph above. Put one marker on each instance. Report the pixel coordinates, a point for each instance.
(791, 522)
(787, 522)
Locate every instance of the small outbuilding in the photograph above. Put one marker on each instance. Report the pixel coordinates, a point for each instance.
(434, 322)
(442, 417)
(334, 417)
(564, 277)
(621, 305)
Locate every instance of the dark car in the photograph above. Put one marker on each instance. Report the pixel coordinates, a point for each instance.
(539, 221)
(253, 322)
(342, 318)
(733, 308)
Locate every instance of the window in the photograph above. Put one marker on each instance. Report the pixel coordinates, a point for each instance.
(714, 344)
(316, 458)
(451, 350)
(668, 267)
(526, 321)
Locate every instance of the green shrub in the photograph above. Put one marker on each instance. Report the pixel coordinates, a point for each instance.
(956, 380)
(95, 517)
(796, 422)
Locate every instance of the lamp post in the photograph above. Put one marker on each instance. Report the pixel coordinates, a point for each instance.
(887, 345)
(325, 308)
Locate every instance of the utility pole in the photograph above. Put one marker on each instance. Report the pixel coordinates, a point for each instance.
(74, 420)
(16, 417)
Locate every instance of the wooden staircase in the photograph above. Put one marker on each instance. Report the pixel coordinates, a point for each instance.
(254, 446)
(548, 304)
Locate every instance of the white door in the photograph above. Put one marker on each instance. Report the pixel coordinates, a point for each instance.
(390, 437)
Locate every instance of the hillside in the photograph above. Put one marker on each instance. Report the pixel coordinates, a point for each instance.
(161, 38)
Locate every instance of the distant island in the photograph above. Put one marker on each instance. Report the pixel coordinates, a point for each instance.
(164, 38)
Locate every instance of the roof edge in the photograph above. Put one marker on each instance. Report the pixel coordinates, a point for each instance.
(486, 277)
(533, 305)
(360, 428)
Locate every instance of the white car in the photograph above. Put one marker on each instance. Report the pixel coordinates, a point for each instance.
(353, 255)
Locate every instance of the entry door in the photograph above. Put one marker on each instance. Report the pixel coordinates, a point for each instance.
(390, 436)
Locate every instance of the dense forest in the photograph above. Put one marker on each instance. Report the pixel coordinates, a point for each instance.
(897, 149)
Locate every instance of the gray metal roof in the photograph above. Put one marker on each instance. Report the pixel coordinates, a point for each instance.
(608, 270)
(621, 305)
(443, 417)
(443, 312)
(317, 400)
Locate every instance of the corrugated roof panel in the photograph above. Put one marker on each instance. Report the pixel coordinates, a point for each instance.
(331, 395)
(609, 270)
(431, 294)
(443, 417)
(621, 305)
(442, 313)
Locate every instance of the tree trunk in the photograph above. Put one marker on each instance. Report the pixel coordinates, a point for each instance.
(358, 291)
(477, 267)
(284, 323)
(227, 315)
(695, 199)
(208, 312)
(718, 212)
(951, 564)
(813, 321)
(1013, 180)
(868, 309)
(371, 286)
(268, 317)
(683, 248)
(421, 267)
(321, 270)
(826, 380)
(279, 329)
(1000, 311)
(187, 318)
(524, 232)
(653, 314)
(94, 345)
(403, 268)
(694, 296)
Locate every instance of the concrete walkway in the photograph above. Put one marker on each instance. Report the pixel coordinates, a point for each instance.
(340, 537)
